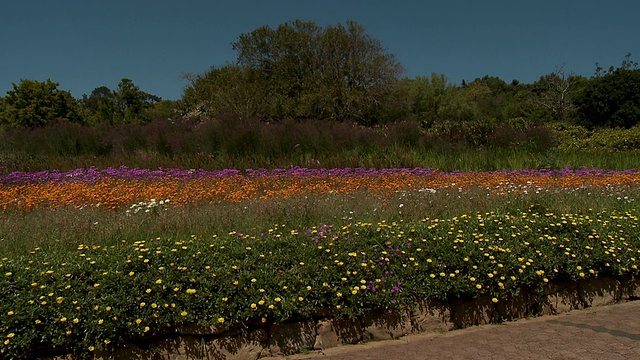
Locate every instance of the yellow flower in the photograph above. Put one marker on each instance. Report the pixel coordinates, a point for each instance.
(76, 320)
(38, 321)
(254, 306)
(221, 320)
(64, 319)
(339, 294)
(10, 313)
(277, 299)
(146, 328)
(478, 286)
(159, 281)
(143, 304)
(300, 298)
(138, 321)
(100, 322)
(11, 335)
(184, 313)
(91, 348)
(495, 300)
(191, 291)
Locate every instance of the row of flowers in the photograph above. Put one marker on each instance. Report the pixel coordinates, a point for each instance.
(98, 297)
(113, 189)
(91, 175)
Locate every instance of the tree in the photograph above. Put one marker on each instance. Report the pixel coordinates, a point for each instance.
(125, 104)
(302, 70)
(33, 103)
(132, 102)
(611, 100)
(101, 106)
(556, 93)
(427, 96)
(226, 90)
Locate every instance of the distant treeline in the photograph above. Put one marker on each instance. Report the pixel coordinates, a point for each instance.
(302, 71)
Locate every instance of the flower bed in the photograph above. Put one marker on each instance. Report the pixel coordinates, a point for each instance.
(113, 188)
(99, 297)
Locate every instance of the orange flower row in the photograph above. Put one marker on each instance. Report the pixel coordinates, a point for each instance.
(117, 193)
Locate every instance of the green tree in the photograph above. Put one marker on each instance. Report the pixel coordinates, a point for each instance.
(556, 94)
(428, 96)
(33, 103)
(132, 102)
(301, 70)
(101, 106)
(163, 109)
(221, 91)
(612, 99)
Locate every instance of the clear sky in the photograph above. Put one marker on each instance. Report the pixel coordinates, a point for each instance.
(84, 44)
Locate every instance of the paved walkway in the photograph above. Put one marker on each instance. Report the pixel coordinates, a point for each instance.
(608, 332)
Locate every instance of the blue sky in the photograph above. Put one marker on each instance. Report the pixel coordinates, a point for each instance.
(84, 44)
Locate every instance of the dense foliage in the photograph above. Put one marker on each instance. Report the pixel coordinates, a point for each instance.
(35, 104)
(301, 70)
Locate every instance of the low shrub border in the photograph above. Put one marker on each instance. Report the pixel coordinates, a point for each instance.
(320, 331)
(481, 267)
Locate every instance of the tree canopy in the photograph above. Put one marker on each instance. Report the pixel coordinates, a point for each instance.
(300, 69)
(126, 104)
(612, 100)
(34, 103)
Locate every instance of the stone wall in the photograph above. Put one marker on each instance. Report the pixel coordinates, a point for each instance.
(322, 332)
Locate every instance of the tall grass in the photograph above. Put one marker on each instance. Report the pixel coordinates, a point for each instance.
(62, 228)
(230, 143)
